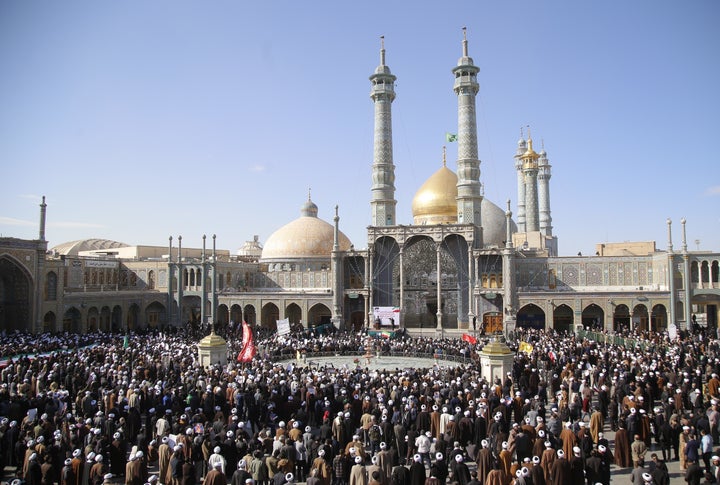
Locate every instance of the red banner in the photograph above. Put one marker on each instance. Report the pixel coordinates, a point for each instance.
(248, 350)
(469, 338)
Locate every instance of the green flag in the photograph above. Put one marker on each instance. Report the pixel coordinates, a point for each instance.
(450, 137)
(126, 342)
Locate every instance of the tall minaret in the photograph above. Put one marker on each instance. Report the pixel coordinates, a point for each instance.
(530, 171)
(544, 174)
(522, 147)
(466, 88)
(383, 200)
(43, 212)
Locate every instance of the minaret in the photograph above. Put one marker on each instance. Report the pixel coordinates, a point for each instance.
(522, 147)
(544, 174)
(530, 172)
(43, 210)
(466, 88)
(382, 200)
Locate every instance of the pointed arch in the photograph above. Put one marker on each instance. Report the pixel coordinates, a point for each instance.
(250, 314)
(563, 318)
(293, 313)
(593, 317)
(621, 318)
(659, 318)
(318, 314)
(531, 316)
(49, 322)
(16, 299)
(155, 315)
(269, 316)
(72, 321)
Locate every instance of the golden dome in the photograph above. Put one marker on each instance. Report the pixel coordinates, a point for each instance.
(307, 237)
(435, 202)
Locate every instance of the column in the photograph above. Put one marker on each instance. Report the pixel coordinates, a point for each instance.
(687, 280)
(181, 284)
(203, 289)
(471, 285)
(402, 288)
(369, 283)
(438, 287)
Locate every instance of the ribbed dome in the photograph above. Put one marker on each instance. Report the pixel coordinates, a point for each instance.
(494, 224)
(72, 248)
(305, 238)
(434, 202)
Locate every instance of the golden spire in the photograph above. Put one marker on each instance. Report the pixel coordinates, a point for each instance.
(444, 158)
(530, 155)
(382, 50)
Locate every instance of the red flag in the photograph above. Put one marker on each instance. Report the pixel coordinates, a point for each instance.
(469, 338)
(248, 350)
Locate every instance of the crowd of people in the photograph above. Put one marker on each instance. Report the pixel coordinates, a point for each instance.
(108, 408)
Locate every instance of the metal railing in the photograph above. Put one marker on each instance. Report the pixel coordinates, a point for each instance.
(626, 342)
(354, 353)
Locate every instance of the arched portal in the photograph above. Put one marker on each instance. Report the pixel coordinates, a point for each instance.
(269, 317)
(191, 310)
(563, 319)
(93, 317)
(72, 321)
(155, 314)
(621, 318)
(236, 314)
(222, 317)
(354, 308)
(658, 319)
(421, 278)
(105, 319)
(49, 322)
(531, 316)
(593, 317)
(15, 296)
(117, 319)
(318, 314)
(250, 314)
(293, 313)
(133, 317)
(640, 318)
(385, 257)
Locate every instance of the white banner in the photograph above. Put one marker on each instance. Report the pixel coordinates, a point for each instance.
(283, 326)
(385, 313)
(90, 263)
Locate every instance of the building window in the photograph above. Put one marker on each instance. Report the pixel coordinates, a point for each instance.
(51, 287)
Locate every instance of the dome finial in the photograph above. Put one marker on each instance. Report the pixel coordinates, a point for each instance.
(465, 42)
(309, 193)
(309, 209)
(444, 156)
(382, 50)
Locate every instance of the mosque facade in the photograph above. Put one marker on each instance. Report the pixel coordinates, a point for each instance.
(463, 265)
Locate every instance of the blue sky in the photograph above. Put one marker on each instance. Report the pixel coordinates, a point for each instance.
(140, 120)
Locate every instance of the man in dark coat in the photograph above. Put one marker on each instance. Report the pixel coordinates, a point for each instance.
(417, 471)
(215, 476)
(484, 461)
(560, 470)
(460, 471)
